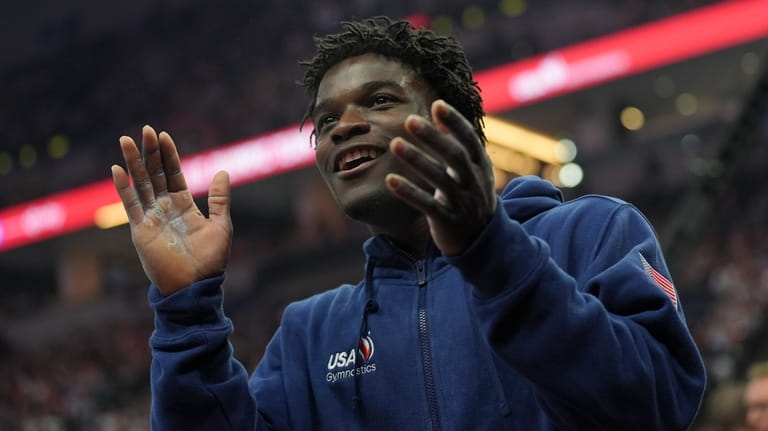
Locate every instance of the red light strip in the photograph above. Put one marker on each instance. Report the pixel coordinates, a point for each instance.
(246, 161)
(624, 53)
(516, 84)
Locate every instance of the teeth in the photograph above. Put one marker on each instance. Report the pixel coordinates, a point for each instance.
(356, 155)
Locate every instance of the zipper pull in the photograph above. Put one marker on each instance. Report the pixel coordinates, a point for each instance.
(421, 272)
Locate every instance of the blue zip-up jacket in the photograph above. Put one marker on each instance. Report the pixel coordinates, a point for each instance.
(560, 316)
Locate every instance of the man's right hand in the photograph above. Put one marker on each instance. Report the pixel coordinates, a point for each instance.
(176, 243)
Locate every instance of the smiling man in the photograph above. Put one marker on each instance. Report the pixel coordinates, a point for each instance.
(366, 104)
(475, 311)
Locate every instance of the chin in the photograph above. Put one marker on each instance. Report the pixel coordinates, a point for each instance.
(379, 209)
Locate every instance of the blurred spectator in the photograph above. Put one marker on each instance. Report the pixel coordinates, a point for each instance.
(756, 397)
(723, 409)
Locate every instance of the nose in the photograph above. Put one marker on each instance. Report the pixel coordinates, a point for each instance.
(351, 123)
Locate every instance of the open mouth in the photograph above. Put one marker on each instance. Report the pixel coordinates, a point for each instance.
(356, 157)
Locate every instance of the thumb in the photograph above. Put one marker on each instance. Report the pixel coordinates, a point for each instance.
(219, 197)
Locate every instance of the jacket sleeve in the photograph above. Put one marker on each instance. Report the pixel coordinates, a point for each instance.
(196, 382)
(603, 344)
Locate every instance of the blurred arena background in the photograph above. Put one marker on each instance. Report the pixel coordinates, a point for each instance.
(659, 102)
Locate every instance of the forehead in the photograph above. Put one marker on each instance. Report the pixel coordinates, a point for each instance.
(757, 390)
(354, 72)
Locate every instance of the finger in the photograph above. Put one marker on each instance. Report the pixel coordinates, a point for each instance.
(150, 149)
(127, 194)
(137, 171)
(449, 120)
(172, 164)
(414, 196)
(443, 145)
(219, 198)
(428, 168)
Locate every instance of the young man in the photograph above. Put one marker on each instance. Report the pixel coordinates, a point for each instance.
(756, 397)
(476, 311)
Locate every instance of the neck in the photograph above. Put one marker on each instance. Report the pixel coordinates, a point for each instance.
(412, 238)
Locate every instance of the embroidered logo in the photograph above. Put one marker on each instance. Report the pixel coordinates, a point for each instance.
(366, 347)
(660, 280)
(342, 365)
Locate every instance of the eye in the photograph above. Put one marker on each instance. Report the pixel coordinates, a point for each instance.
(323, 121)
(382, 99)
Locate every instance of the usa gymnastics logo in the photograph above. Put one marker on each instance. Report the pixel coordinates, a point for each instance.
(341, 365)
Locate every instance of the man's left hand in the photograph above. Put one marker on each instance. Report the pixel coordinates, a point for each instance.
(451, 159)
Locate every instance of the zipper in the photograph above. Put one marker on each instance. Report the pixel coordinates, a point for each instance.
(426, 351)
(421, 272)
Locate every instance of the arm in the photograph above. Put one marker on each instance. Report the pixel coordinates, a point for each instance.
(607, 351)
(196, 382)
(601, 353)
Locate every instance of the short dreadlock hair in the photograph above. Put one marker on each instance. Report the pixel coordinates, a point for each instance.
(439, 60)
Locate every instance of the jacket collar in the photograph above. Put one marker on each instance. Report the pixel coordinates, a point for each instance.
(393, 262)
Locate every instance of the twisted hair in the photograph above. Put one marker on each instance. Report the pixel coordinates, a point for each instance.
(439, 60)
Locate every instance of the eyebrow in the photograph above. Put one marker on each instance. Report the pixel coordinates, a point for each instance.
(366, 88)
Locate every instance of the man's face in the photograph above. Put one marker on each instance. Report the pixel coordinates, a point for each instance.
(362, 103)
(756, 402)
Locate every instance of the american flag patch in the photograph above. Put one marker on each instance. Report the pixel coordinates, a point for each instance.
(660, 280)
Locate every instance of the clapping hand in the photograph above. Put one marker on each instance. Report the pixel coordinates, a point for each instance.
(176, 243)
(449, 156)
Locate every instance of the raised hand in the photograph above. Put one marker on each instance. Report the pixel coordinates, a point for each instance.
(176, 243)
(451, 159)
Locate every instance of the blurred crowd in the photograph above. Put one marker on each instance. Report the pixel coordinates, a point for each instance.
(93, 380)
(725, 275)
(213, 74)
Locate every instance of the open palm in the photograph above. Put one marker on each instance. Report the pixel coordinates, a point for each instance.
(176, 243)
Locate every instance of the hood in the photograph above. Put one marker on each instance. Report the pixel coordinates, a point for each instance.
(527, 196)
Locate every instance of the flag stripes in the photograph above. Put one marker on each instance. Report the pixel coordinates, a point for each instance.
(660, 280)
